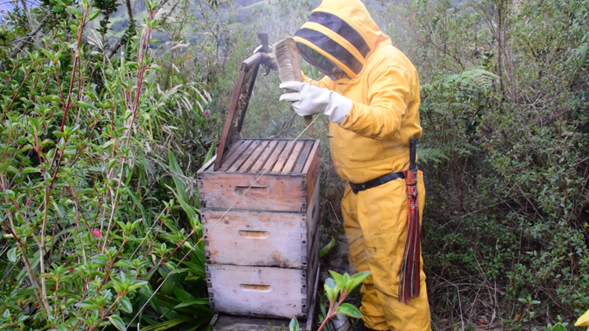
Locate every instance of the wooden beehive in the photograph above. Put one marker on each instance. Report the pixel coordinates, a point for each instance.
(259, 203)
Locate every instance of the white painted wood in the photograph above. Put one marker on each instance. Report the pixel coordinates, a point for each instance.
(263, 255)
(260, 238)
(256, 238)
(252, 192)
(258, 291)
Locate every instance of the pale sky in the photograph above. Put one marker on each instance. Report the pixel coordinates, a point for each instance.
(4, 6)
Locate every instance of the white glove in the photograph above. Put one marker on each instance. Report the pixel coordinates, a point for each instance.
(308, 99)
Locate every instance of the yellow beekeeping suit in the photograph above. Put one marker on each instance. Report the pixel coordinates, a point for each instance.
(360, 62)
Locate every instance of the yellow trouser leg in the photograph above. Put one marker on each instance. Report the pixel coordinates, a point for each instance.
(371, 309)
(375, 222)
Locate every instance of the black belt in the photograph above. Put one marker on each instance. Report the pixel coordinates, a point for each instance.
(376, 182)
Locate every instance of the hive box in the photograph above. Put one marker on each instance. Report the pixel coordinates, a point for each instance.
(259, 201)
(260, 213)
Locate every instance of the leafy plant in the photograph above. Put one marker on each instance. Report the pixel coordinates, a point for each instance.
(337, 290)
(90, 238)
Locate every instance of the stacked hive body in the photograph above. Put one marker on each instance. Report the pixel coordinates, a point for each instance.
(260, 211)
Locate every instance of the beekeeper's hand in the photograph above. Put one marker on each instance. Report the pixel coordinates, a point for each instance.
(308, 99)
(268, 59)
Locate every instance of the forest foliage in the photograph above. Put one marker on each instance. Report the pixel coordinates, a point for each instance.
(109, 107)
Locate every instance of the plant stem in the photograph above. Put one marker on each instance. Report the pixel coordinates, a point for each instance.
(102, 316)
(329, 316)
(28, 268)
(162, 261)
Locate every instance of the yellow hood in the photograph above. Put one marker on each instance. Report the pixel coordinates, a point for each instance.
(343, 33)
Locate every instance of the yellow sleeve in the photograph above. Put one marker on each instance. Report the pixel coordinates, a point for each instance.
(325, 82)
(389, 94)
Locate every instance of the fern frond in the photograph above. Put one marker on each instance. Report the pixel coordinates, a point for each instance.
(475, 77)
(428, 155)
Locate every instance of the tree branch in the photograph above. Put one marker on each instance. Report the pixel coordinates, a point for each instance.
(123, 39)
(26, 39)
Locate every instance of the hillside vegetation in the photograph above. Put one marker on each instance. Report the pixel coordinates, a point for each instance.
(109, 107)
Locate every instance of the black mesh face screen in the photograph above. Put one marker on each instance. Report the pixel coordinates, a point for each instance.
(329, 46)
(323, 64)
(343, 29)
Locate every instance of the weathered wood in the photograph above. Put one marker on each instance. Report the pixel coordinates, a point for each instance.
(238, 107)
(300, 164)
(256, 238)
(313, 157)
(261, 238)
(258, 291)
(313, 215)
(209, 165)
(283, 157)
(313, 265)
(253, 157)
(270, 192)
(293, 157)
(264, 157)
(310, 323)
(233, 149)
(274, 157)
(223, 322)
(312, 168)
(260, 215)
(244, 156)
(235, 154)
(238, 323)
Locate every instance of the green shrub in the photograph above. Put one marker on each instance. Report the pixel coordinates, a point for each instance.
(97, 220)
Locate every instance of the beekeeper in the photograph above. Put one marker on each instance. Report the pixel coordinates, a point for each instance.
(370, 93)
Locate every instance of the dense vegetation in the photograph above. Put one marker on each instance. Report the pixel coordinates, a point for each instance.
(108, 108)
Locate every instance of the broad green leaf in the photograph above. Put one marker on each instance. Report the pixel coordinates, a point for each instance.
(126, 305)
(357, 279)
(84, 104)
(119, 286)
(77, 12)
(34, 123)
(4, 166)
(157, 68)
(117, 322)
(12, 255)
(88, 304)
(29, 170)
(100, 259)
(330, 292)
(339, 279)
(53, 98)
(558, 327)
(124, 264)
(137, 284)
(93, 14)
(294, 324)
(349, 310)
